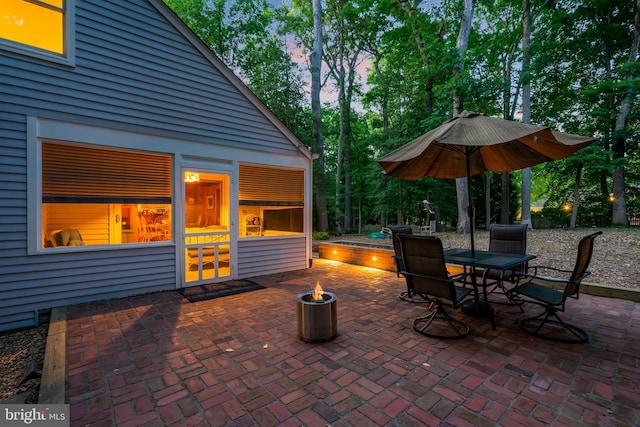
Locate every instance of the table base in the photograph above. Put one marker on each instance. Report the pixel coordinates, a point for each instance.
(476, 309)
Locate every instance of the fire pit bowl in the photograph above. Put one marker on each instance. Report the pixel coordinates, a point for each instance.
(317, 320)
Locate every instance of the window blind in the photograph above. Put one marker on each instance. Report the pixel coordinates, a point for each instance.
(269, 186)
(74, 173)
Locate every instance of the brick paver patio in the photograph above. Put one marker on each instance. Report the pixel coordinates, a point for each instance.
(236, 361)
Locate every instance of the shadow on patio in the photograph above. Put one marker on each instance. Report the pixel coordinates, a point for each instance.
(159, 360)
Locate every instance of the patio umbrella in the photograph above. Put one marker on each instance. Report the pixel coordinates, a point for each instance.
(473, 143)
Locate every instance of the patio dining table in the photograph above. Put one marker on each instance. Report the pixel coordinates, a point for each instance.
(485, 260)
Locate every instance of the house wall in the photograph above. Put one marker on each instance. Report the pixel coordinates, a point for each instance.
(267, 256)
(136, 74)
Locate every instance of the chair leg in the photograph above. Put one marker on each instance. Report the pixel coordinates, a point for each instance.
(450, 327)
(533, 325)
(511, 300)
(411, 296)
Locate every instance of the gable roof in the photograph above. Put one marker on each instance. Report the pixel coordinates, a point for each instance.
(207, 53)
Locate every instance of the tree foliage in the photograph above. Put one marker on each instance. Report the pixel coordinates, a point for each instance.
(387, 78)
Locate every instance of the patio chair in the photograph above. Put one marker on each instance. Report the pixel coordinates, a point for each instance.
(427, 276)
(397, 257)
(504, 238)
(540, 290)
(396, 230)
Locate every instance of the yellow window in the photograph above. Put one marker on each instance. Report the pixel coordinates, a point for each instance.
(35, 23)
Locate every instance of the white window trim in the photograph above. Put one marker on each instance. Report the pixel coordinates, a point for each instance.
(69, 42)
(34, 188)
(39, 129)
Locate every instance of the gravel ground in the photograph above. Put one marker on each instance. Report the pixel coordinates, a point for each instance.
(615, 262)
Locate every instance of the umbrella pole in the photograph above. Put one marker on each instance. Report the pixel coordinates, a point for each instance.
(470, 208)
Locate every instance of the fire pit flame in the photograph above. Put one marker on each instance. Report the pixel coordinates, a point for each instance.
(317, 293)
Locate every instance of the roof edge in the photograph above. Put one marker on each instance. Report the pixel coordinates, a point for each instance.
(175, 20)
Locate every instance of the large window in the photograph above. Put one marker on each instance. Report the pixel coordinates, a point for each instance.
(101, 196)
(271, 201)
(36, 25)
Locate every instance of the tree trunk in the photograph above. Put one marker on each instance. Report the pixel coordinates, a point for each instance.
(322, 219)
(359, 215)
(348, 180)
(338, 177)
(619, 213)
(464, 214)
(525, 213)
(576, 197)
(400, 213)
(348, 157)
(487, 198)
(464, 219)
(504, 198)
(385, 126)
(525, 206)
(384, 221)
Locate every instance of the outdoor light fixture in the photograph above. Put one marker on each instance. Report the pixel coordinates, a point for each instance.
(191, 177)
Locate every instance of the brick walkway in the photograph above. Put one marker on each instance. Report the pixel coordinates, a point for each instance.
(236, 361)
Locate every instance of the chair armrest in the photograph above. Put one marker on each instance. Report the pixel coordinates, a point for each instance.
(526, 278)
(456, 278)
(522, 278)
(546, 267)
(462, 277)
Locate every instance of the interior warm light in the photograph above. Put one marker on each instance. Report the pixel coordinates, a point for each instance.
(24, 21)
(611, 197)
(335, 252)
(316, 294)
(191, 177)
(375, 258)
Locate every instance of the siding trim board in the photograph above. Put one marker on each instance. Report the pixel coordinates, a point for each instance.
(142, 81)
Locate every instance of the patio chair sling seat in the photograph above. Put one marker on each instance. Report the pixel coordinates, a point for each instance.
(537, 289)
(504, 238)
(427, 276)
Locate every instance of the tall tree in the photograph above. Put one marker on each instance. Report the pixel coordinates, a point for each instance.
(322, 218)
(376, 25)
(497, 49)
(619, 214)
(342, 55)
(525, 209)
(465, 209)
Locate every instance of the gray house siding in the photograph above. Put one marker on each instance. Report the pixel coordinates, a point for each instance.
(258, 257)
(135, 71)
